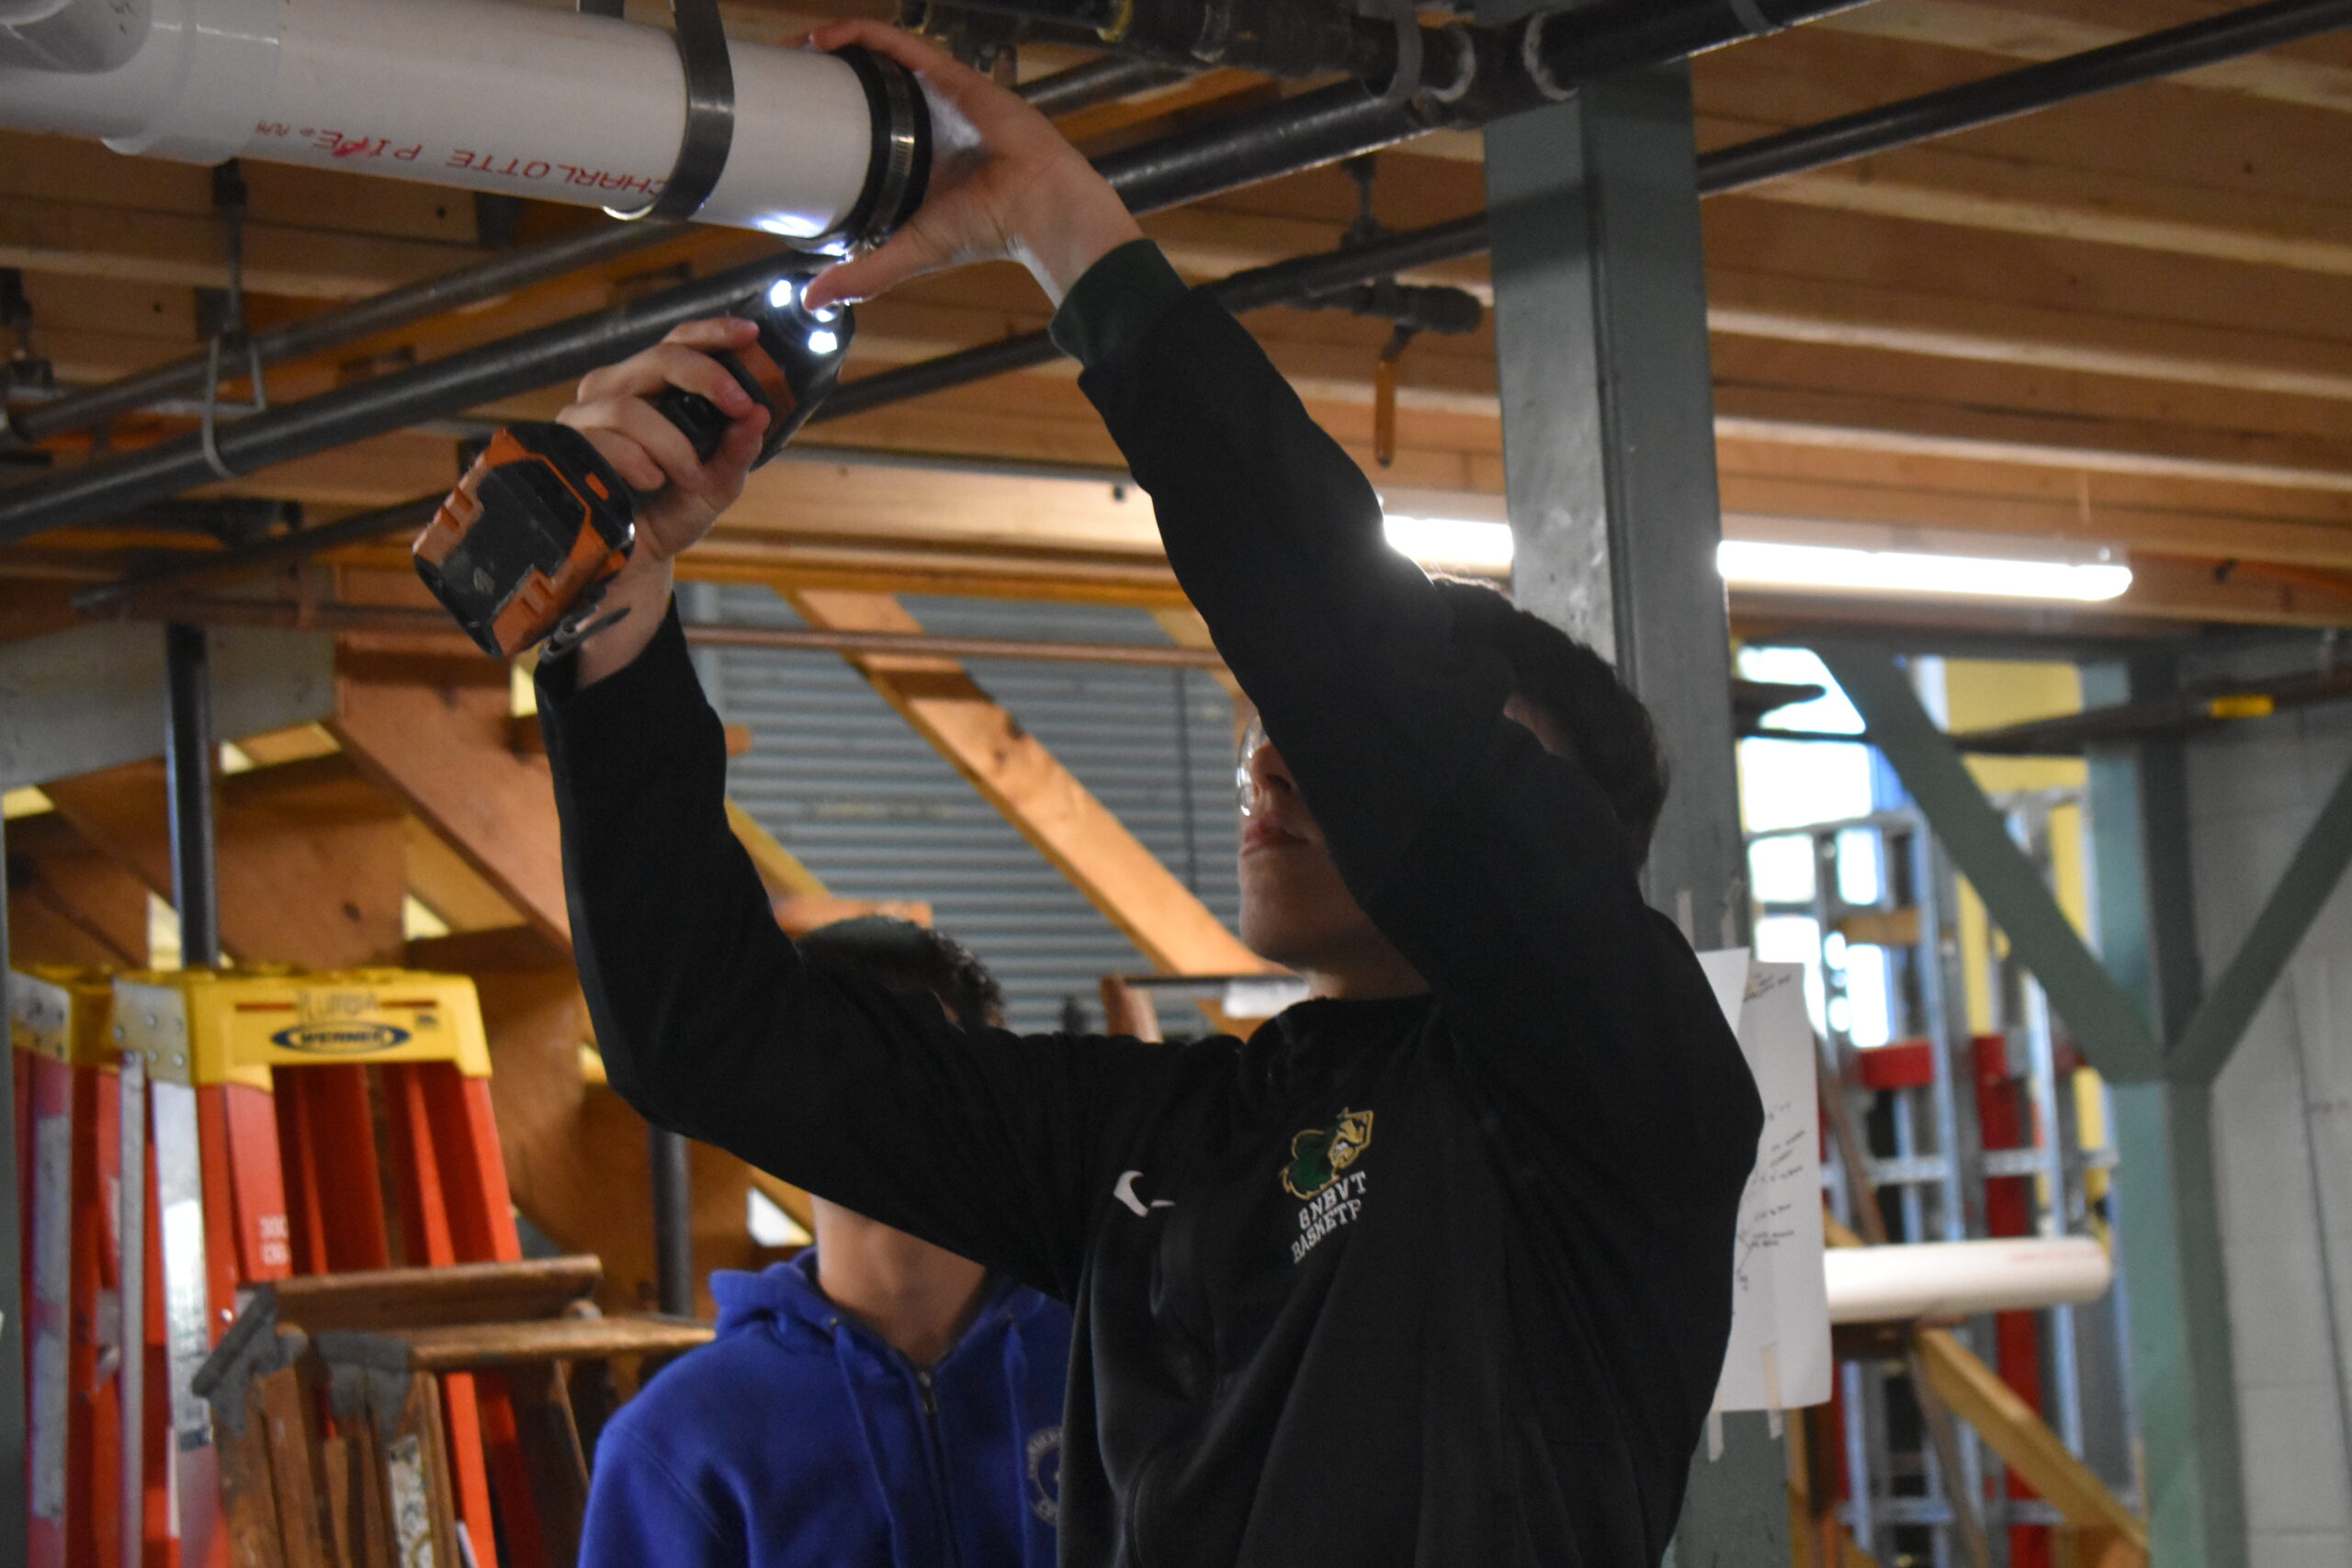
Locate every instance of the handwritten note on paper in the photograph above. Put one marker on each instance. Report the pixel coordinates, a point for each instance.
(1779, 1358)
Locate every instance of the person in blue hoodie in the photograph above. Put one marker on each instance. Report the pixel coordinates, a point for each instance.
(876, 1403)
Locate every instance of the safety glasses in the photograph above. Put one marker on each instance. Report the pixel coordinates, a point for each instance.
(1253, 737)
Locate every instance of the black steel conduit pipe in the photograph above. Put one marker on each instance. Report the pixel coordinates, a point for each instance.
(1064, 92)
(1313, 127)
(673, 1229)
(1097, 82)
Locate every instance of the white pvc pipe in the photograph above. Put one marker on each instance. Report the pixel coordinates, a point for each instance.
(1959, 1279)
(480, 94)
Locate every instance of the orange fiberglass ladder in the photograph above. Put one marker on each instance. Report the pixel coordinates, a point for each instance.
(251, 1101)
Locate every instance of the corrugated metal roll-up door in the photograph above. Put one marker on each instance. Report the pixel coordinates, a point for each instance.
(875, 811)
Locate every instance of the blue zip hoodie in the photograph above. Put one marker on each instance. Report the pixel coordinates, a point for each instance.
(800, 1439)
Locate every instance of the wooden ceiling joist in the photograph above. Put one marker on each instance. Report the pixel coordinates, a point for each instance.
(444, 752)
(69, 902)
(309, 861)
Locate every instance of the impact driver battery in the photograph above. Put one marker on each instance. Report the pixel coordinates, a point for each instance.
(521, 552)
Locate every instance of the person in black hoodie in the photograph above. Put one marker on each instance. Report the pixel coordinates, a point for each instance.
(1435, 1267)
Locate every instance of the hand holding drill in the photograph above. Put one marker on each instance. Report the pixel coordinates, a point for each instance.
(570, 528)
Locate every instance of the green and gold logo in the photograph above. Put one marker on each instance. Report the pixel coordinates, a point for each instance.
(1319, 1155)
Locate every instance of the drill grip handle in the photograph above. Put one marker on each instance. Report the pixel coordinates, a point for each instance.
(697, 418)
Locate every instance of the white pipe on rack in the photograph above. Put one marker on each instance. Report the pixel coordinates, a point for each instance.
(1909, 1280)
(489, 95)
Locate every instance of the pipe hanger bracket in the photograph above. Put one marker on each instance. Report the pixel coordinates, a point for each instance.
(710, 114)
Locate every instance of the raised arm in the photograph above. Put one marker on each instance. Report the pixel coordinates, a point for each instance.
(1496, 868)
(989, 1144)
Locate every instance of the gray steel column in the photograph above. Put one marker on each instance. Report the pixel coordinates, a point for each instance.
(1609, 453)
(2168, 1228)
(673, 1233)
(188, 749)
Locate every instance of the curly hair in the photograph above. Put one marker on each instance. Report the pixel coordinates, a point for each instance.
(1608, 730)
(904, 957)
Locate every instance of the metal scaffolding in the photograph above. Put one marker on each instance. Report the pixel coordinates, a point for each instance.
(1969, 1133)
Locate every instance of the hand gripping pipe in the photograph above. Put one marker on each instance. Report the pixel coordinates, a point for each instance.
(518, 100)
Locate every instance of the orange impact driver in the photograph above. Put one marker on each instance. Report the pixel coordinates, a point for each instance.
(522, 549)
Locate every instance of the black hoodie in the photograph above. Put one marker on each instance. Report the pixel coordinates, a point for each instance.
(1437, 1281)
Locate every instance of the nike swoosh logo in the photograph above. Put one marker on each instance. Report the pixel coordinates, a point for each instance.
(1124, 1192)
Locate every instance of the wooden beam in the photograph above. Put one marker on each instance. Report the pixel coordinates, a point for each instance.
(2160, 129)
(1966, 482)
(1015, 773)
(322, 789)
(1946, 187)
(133, 311)
(68, 169)
(2009, 1426)
(1797, 309)
(2030, 31)
(304, 876)
(69, 903)
(162, 247)
(443, 882)
(292, 745)
(1119, 121)
(2039, 439)
(443, 751)
(2019, 196)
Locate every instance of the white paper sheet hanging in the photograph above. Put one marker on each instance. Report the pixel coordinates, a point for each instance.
(1779, 1358)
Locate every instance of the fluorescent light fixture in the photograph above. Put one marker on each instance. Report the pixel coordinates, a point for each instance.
(1757, 563)
(1462, 543)
(1810, 555)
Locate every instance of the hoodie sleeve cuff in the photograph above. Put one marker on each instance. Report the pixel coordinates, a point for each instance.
(1115, 302)
(613, 735)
